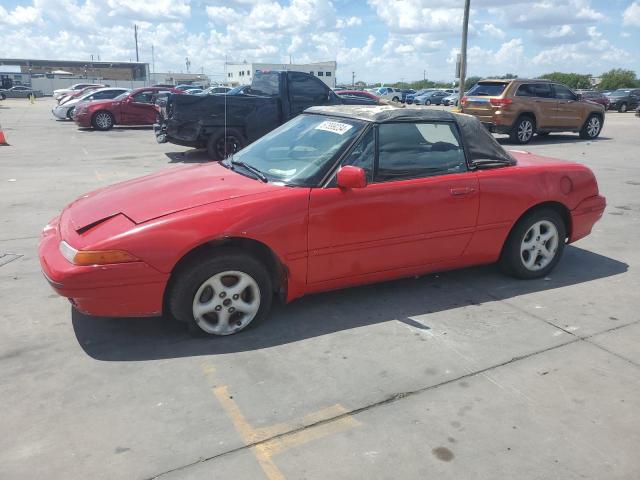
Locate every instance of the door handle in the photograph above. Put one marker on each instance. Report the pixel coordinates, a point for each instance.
(461, 191)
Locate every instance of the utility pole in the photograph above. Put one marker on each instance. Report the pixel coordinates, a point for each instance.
(187, 63)
(424, 75)
(463, 49)
(353, 80)
(135, 35)
(153, 63)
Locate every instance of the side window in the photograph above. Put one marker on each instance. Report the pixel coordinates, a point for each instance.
(307, 90)
(563, 93)
(525, 90)
(363, 154)
(542, 90)
(412, 150)
(143, 97)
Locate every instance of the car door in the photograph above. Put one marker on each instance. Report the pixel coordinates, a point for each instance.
(634, 99)
(568, 109)
(139, 108)
(538, 98)
(306, 91)
(419, 207)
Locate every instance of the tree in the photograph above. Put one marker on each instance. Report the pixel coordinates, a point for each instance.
(470, 82)
(618, 78)
(571, 80)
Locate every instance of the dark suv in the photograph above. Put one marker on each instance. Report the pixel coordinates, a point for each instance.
(521, 108)
(624, 99)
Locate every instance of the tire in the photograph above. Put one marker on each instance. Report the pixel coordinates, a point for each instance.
(395, 99)
(2, 96)
(527, 238)
(102, 120)
(591, 128)
(218, 148)
(427, 102)
(70, 113)
(523, 130)
(194, 300)
(623, 107)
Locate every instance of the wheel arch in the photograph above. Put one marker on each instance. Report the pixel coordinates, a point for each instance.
(259, 250)
(527, 113)
(558, 207)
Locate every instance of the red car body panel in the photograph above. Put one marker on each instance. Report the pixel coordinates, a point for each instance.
(125, 112)
(325, 238)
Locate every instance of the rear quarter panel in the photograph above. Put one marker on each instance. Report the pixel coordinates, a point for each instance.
(506, 194)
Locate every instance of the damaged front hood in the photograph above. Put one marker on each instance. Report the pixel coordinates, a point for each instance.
(145, 198)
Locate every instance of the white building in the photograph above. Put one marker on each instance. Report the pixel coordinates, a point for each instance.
(241, 73)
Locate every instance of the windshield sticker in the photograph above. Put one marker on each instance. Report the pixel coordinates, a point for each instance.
(334, 127)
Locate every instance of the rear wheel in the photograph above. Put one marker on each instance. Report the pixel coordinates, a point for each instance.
(591, 128)
(223, 144)
(222, 294)
(623, 107)
(522, 131)
(102, 121)
(535, 244)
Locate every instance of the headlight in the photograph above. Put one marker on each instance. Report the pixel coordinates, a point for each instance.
(94, 257)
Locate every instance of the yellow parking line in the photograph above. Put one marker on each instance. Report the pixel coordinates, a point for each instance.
(265, 451)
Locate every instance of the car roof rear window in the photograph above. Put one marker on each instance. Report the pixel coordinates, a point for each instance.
(488, 89)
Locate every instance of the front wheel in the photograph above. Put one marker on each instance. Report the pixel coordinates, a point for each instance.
(222, 294)
(70, 113)
(395, 99)
(102, 121)
(224, 144)
(428, 102)
(535, 245)
(522, 131)
(622, 108)
(591, 128)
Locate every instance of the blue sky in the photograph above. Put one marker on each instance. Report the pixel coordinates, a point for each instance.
(380, 40)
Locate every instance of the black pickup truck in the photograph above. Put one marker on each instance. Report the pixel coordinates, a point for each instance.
(226, 123)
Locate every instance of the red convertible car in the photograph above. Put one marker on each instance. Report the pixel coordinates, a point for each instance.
(338, 196)
(132, 108)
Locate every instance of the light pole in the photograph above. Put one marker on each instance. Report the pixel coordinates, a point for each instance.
(463, 49)
(353, 80)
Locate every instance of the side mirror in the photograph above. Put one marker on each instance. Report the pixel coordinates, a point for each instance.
(351, 177)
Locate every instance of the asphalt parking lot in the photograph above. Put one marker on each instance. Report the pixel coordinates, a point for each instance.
(458, 375)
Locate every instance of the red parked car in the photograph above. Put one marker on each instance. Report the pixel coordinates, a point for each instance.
(132, 108)
(337, 196)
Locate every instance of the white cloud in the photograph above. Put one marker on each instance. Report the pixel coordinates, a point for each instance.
(20, 16)
(348, 22)
(492, 30)
(631, 16)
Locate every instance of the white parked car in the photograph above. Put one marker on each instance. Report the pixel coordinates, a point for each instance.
(65, 110)
(451, 99)
(61, 92)
(389, 93)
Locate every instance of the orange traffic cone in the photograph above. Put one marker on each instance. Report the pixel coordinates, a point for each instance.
(3, 140)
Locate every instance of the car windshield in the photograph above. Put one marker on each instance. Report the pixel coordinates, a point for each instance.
(487, 89)
(300, 152)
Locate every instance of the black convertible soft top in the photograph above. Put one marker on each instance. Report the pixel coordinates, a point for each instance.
(478, 142)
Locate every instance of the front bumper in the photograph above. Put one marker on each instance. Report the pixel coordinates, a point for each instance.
(82, 119)
(115, 290)
(60, 112)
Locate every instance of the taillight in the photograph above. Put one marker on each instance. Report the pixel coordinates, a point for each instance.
(463, 101)
(500, 102)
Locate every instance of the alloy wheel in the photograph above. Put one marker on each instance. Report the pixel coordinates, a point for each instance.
(226, 302)
(103, 120)
(525, 130)
(539, 245)
(593, 127)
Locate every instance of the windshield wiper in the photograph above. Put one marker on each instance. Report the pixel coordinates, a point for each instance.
(261, 176)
